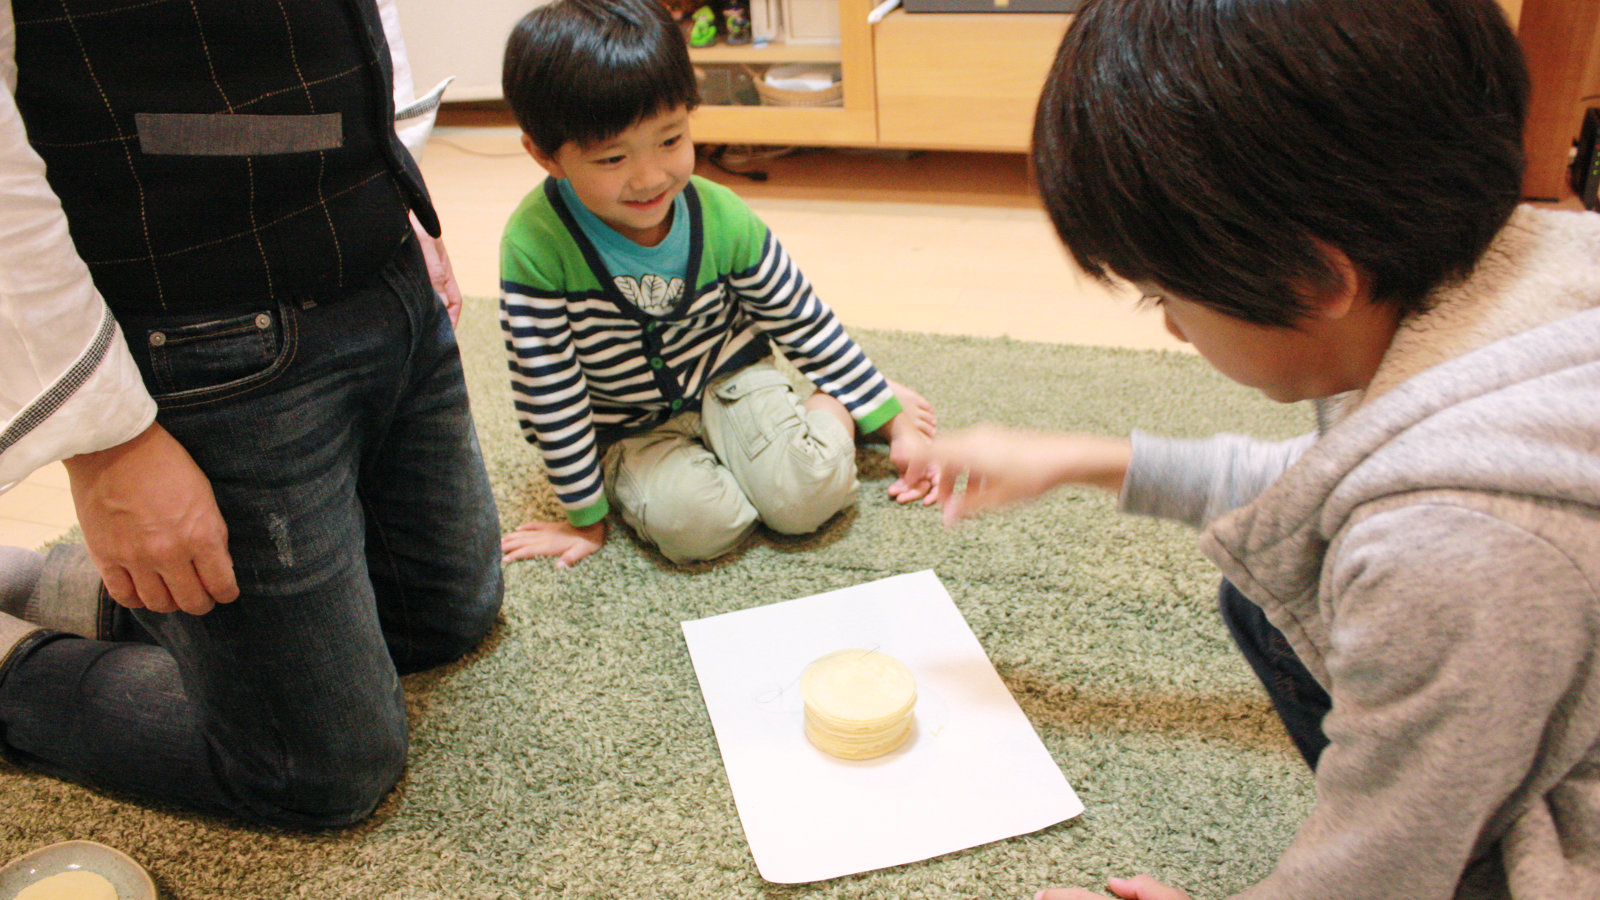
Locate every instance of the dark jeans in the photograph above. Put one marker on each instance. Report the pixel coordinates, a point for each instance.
(338, 440)
(1300, 701)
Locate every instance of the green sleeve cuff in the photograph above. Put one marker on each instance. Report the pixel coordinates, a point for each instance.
(594, 512)
(879, 417)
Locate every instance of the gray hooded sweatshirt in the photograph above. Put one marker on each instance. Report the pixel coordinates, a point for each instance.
(1433, 557)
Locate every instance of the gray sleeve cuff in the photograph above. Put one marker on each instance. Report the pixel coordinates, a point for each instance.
(1159, 484)
(1195, 481)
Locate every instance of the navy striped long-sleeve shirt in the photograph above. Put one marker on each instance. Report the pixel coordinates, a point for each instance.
(589, 365)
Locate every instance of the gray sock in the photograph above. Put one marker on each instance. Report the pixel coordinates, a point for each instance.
(20, 569)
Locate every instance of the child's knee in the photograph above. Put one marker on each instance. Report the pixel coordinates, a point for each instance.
(690, 510)
(690, 529)
(808, 495)
(699, 543)
(795, 463)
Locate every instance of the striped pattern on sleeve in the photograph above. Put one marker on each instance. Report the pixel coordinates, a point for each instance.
(776, 297)
(780, 301)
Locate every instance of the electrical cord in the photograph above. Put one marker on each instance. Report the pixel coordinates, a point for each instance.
(470, 152)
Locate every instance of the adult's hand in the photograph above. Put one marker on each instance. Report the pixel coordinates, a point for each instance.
(152, 526)
(440, 273)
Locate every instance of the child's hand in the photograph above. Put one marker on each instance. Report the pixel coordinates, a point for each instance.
(908, 440)
(1139, 887)
(1006, 466)
(563, 540)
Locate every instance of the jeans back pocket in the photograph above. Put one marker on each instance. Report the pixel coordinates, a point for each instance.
(210, 357)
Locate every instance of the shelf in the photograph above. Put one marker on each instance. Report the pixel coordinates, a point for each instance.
(825, 127)
(853, 124)
(768, 53)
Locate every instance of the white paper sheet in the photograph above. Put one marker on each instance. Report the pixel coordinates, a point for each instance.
(974, 770)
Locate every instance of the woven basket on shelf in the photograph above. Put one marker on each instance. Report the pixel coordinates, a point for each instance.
(771, 95)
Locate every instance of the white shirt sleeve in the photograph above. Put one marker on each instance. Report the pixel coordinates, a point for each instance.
(413, 116)
(67, 382)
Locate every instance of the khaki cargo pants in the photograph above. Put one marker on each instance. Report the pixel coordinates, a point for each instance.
(697, 484)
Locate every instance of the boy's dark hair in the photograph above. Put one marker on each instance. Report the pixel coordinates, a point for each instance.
(585, 70)
(1207, 146)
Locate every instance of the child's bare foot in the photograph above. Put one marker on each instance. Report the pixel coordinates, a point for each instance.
(914, 407)
(920, 410)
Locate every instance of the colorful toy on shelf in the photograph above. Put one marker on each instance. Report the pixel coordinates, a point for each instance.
(736, 20)
(703, 32)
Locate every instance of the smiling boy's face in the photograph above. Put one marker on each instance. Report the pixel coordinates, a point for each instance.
(629, 180)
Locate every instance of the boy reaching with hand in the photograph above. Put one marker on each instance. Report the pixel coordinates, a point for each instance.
(1322, 197)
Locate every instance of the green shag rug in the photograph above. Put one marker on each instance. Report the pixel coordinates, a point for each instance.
(572, 756)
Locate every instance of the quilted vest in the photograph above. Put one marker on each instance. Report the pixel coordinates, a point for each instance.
(214, 153)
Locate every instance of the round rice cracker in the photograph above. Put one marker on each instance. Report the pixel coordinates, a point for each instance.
(859, 703)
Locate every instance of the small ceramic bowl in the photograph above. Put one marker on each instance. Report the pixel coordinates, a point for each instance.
(128, 877)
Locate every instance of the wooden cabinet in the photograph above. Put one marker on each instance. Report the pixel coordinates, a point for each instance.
(855, 123)
(963, 81)
(1561, 39)
(970, 81)
(954, 81)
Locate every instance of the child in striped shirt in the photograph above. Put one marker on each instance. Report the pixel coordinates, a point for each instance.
(642, 305)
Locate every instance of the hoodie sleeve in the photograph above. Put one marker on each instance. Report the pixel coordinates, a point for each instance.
(1195, 481)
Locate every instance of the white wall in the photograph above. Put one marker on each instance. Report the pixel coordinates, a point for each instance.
(464, 38)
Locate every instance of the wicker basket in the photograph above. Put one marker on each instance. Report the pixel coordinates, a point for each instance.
(771, 95)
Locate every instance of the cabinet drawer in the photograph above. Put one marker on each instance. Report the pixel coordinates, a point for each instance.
(962, 81)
